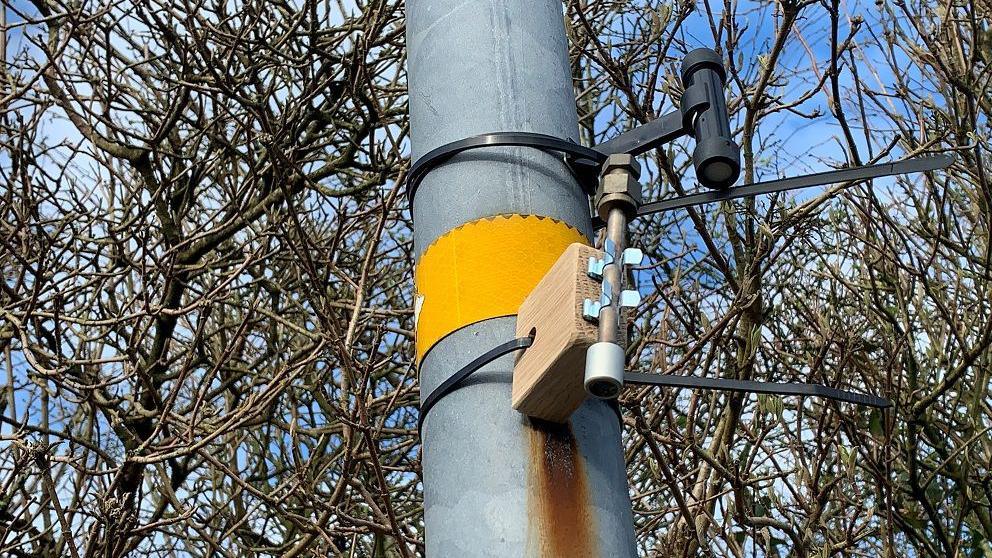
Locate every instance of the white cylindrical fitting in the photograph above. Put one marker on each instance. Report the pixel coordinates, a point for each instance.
(604, 370)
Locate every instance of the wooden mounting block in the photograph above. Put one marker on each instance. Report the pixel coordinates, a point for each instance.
(547, 377)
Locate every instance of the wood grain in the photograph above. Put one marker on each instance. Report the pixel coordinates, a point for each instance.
(547, 377)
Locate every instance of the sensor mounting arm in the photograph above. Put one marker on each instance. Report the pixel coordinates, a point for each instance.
(646, 137)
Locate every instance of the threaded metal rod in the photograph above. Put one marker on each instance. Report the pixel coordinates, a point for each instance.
(609, 316)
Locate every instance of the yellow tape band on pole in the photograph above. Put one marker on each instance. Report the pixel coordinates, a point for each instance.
(484, 269)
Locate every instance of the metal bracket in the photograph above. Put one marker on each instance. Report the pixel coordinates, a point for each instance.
(596, 265)
(630, 256)
(591, 308)
(629, 298)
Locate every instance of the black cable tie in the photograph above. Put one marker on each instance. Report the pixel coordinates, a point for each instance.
(544, 142)
(452, 382)
(585, 162)
(907, 166)
(749, 386)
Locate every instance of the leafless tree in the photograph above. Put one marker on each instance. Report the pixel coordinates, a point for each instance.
(205, 312)
(205, 264)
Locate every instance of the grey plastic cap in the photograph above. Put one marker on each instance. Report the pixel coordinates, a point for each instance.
(604, 370)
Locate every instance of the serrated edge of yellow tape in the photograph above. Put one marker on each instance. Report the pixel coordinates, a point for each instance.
(484, 269)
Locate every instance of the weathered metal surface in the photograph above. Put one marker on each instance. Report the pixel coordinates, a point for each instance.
(484, 66)
(559, 506)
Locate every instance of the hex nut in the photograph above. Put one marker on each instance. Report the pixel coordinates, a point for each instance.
(621, 162)
(617, 188)
(619, 183)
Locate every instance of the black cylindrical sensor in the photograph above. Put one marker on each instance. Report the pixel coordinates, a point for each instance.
(717, 158)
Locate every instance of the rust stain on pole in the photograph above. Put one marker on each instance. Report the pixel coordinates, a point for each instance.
(562, 522)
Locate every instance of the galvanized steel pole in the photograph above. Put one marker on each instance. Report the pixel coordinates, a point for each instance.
(496, 483)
